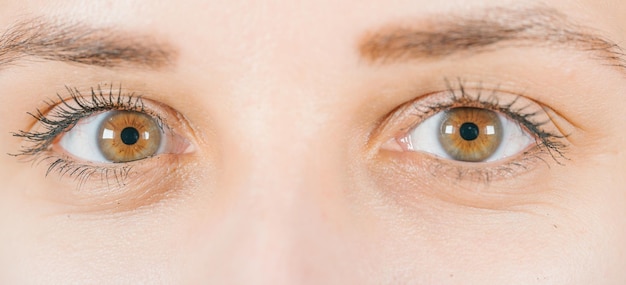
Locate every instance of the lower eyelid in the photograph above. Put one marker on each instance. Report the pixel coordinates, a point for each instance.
(117, 188)
(419, 166)
(424, 180)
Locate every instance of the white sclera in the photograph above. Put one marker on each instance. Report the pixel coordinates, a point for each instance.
(425, 138)
(82, 140)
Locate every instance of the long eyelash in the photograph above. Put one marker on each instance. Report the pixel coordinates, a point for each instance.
(82, 172)
(550, 141)
(65, 114)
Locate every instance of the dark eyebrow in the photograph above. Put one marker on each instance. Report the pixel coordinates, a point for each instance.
(79, 43)
(486, 31)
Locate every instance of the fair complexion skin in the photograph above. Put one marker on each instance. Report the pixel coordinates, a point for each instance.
(290, 163)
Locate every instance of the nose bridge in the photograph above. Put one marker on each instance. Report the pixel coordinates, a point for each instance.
(278, 131)
(278, 176)
(270, 232)
(279, 170)
(276, 222)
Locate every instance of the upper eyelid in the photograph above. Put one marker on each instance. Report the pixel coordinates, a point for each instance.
(463, 96)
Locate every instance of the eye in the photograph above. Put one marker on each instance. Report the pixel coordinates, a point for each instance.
(121, 151)
(468, 134)
(472, 133)
(96, 138)
(119, 136)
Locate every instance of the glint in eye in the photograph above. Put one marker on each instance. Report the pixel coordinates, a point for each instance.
(468, 134)
(120, 136)
(102, 135)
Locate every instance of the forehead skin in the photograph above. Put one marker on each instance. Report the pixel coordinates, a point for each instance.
(277, 91)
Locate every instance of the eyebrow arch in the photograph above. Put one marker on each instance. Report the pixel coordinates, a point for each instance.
(485, 31)
(82, 44)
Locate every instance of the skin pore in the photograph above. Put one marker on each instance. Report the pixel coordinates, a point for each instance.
(292, 142)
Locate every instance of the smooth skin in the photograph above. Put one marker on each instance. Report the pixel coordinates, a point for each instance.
(290, 179)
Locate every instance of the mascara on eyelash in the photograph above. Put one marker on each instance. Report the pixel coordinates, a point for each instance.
(528, 118)
(64, 115)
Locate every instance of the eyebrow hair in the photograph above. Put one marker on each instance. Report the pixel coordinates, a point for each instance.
(82, 44)
(485, 31)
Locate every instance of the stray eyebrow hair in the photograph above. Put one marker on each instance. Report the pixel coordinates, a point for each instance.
(79, 43)
(485, 31)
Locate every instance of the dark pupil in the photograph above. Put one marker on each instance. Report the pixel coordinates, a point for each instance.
(469, 131)
(130, 136)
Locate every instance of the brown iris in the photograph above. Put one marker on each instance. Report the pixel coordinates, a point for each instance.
(126, 136)
(470, 134)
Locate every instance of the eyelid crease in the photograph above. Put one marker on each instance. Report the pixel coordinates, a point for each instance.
(566, 127)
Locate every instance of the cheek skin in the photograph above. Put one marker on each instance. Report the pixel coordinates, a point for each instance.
(492, 247)
(80, 248)
(599, 187)
(119, 239)
(488, 249)
(516, 236)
